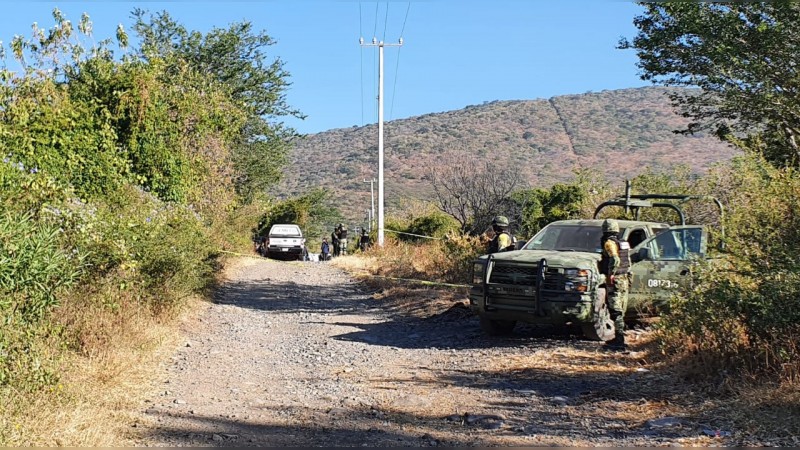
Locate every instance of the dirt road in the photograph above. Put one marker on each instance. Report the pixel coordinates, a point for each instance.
(299, 354)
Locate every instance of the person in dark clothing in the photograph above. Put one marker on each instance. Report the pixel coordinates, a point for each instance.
(325, 250)
(364, 243)
(335, 241)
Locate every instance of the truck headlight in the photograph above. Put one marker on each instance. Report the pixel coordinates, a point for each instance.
(477, 273)
(575, 286)
(578, 280)
(576, 272)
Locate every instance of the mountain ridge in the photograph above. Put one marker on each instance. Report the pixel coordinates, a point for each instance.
(619, 133)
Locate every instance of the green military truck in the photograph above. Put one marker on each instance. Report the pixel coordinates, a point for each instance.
(554, 278)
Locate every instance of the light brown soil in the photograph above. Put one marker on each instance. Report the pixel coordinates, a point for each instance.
(300, 354)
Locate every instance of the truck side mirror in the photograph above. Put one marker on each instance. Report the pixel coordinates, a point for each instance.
(643, 254)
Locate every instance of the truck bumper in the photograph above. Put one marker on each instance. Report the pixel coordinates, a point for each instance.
(555, 308)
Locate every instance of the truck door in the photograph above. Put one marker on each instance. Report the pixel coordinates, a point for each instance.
(661, 264)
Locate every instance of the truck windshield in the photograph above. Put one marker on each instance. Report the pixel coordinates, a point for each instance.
(578, 238)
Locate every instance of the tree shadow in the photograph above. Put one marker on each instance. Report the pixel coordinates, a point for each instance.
(332, 427)
(540, 401)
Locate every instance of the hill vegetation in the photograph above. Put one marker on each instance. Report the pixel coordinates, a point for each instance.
(615, 133)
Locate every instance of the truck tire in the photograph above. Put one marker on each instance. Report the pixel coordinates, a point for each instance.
(601, 328)
(497, 327)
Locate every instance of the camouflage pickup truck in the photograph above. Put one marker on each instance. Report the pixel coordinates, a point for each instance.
(555, 279)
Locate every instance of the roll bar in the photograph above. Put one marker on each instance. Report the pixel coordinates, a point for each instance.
(634, 202)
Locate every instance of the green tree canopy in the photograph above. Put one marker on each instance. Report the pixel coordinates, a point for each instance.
(743, 56)
(237, 58)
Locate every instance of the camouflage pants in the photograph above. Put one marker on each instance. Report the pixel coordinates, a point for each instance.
(618, 302)
(343, 246)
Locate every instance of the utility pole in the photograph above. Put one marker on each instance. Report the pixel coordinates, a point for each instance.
(380, 45)
(372, 201)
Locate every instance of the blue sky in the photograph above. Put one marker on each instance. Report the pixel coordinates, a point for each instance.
(455, 53)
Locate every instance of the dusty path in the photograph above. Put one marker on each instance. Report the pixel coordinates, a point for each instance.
(298, 354)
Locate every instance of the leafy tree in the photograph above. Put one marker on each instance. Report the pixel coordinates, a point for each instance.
(310, 211)
(237, 58)
(535, 208)
(743, 56)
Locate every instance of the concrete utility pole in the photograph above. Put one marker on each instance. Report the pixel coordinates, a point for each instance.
(380, 45)
(372, 201)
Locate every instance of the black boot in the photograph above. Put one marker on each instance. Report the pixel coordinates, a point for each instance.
(618, 343)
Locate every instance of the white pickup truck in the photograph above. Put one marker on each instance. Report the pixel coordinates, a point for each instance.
(285, 241)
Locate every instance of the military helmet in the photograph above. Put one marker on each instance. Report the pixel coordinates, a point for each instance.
(501, 221)
(341, 225)
(610, 226)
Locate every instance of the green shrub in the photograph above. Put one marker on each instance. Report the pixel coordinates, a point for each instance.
(744, 310)
(163, 250)
(435, 224)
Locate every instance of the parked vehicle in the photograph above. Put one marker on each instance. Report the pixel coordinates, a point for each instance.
(285, 241)
(555, 278)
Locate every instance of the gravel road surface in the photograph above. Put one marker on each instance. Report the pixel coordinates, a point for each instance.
(301, 354)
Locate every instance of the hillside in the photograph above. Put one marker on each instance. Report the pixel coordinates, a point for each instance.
(630, 129)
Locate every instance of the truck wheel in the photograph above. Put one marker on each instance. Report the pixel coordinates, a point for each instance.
(497, 327)
(601, 328)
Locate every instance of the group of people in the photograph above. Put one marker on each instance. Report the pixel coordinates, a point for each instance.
(615, 263)
(338, 243)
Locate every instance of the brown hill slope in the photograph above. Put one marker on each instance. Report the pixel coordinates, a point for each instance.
(617, 133)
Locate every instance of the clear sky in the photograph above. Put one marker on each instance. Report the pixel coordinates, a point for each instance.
(455, 53)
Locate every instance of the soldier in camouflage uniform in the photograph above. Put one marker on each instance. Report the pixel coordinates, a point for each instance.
(614, 264)
(502, 240)
(343, 239)
(335, 241)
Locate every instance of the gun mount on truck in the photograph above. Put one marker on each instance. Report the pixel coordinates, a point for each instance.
(555, 279)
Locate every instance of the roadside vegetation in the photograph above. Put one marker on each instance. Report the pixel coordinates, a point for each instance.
(735, 330)
(125, 173)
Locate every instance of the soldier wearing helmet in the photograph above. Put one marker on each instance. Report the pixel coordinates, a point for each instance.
(335, 241)
(614, 264)
(502, 240)
(342, 239)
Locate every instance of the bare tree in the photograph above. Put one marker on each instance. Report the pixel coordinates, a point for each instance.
(472, 193)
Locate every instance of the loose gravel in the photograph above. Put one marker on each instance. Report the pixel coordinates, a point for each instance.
(301, 354)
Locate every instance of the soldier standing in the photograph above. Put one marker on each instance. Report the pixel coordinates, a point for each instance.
(364, 242)
(335, 241)
(614, 264)
(502, 240)
(343, 239)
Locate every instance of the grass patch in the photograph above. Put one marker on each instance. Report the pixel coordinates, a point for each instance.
(105, 355)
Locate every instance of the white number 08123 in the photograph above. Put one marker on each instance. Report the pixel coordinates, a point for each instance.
(654, 283)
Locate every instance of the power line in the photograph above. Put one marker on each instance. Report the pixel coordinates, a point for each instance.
(404, 20)
(361, 51)
(397, 65)
(385, 21)
(375, 30)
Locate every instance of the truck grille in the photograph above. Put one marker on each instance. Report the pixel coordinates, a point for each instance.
(554, 280)
(519, 275)
(513, 275)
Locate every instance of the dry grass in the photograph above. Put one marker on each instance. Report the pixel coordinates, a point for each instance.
(93, 403)
(115, 352)
(756, 413)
